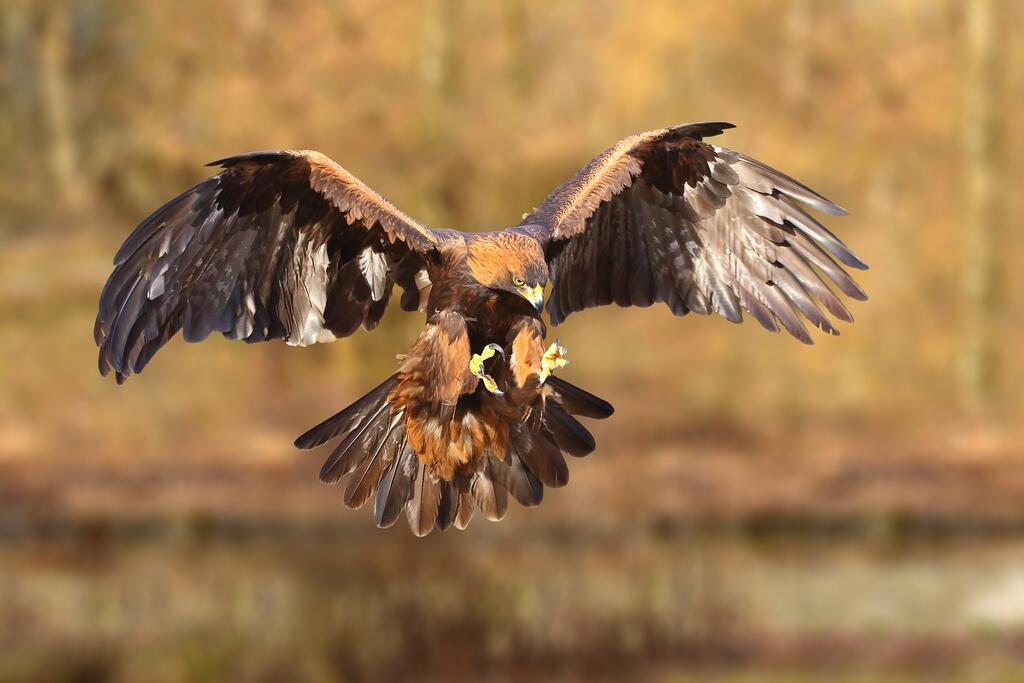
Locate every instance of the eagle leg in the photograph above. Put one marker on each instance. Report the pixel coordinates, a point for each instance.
(476, 366)
(552, 359)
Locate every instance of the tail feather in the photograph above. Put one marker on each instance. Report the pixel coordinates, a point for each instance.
(366, 477)
(421, 510)
(578, 401)
(355, 447)
(394, 488)
(344, 422)
(447, 505)
(466, 510)
(545, 460)
(572, 437)
(375, 459)
(522, 483)
(489, 489)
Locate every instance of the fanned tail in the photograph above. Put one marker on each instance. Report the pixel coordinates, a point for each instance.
(538, 447)
(373, 459)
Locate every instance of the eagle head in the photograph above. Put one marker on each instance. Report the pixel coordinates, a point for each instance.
(509, 262)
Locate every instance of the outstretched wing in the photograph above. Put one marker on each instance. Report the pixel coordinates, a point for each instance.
(663, 216)
(278, 245)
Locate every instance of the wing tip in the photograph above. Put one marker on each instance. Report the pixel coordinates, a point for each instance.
(826, 206)
(853, 261)
(312, 438)
(259, 155)
(701, 129)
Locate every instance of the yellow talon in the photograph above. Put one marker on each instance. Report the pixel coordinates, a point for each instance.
(476, 366)
(552, 359)
(491, 386)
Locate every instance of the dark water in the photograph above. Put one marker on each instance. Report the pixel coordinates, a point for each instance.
(304, 604)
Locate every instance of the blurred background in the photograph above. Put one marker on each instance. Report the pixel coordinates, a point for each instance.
(851, 511)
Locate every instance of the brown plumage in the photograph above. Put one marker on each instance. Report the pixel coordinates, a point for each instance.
(289, 245)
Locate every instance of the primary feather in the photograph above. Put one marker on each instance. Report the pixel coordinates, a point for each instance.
(665, 217)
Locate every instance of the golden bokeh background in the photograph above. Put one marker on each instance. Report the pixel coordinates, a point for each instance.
(756, 510)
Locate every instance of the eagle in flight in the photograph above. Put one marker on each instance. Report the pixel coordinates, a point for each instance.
(289, 245)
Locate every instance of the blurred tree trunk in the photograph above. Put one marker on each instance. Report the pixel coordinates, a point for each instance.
(441, 73)
(15, 76)
(61, 151)
(796, 68)
(983, 123)
(522, 64)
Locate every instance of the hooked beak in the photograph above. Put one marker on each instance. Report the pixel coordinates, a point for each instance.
(535, 295)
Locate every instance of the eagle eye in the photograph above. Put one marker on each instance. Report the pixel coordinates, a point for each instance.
(518, 281)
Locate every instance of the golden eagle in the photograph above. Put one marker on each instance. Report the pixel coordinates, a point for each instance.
(289, 245)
